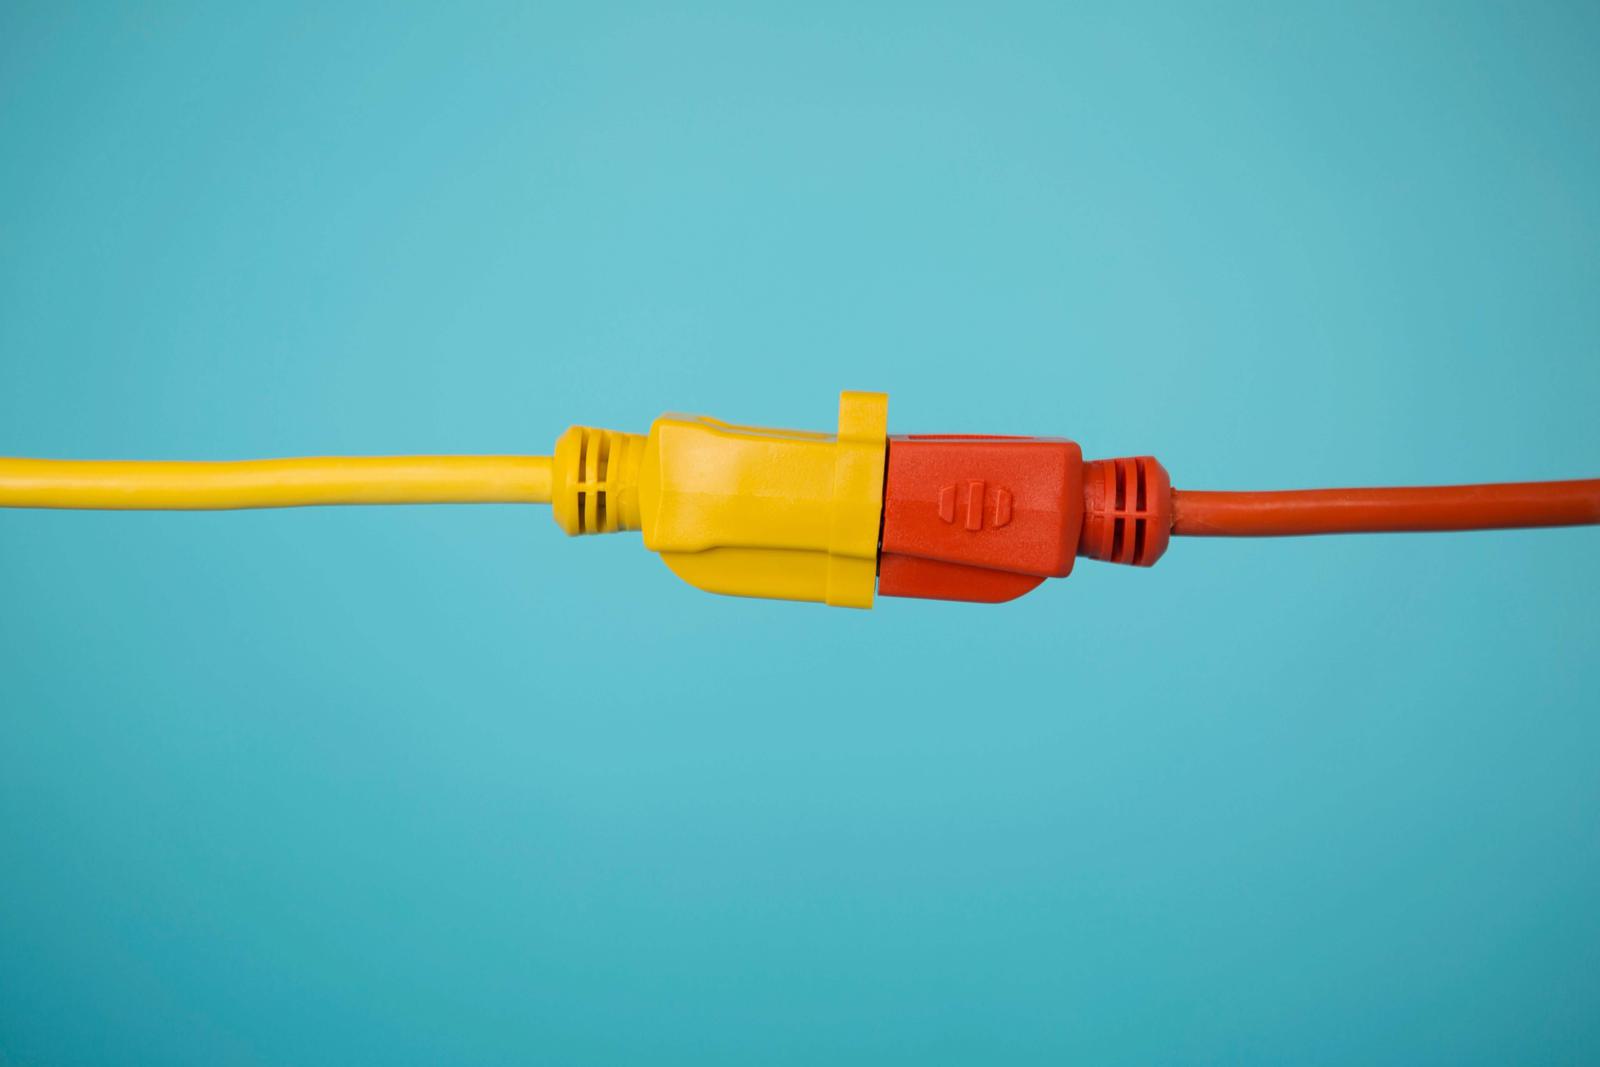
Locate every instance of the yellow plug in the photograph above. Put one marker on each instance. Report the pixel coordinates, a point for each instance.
(741, 510)
(732, 509)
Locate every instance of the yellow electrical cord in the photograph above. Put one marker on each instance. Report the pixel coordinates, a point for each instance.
(274, 483)
(740, 510)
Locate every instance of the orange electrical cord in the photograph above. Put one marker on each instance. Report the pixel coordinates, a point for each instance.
(1326, 511)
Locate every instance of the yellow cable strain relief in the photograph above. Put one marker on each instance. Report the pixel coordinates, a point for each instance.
(595, 481)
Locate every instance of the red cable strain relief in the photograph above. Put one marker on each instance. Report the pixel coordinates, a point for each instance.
(986, 519)
(1127, 510)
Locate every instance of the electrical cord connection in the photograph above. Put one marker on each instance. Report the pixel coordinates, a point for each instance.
(836, 518)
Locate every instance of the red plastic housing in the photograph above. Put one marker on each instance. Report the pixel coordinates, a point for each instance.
(971, 517)
(979, 518)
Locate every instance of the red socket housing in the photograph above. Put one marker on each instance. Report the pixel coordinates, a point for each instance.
(986, 519)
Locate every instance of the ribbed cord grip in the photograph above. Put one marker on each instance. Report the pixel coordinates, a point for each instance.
(595, 481)
(1127, 510)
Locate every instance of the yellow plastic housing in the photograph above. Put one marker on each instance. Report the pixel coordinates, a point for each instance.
(740, 510)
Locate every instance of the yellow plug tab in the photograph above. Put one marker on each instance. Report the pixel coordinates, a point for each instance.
(741, 510)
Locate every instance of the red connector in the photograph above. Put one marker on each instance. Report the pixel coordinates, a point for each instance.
(978, 518)
(970, 517)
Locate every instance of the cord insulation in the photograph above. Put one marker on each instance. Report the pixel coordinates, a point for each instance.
(274, 483)
(1332, 511)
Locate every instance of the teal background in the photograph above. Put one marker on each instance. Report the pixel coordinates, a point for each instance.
(422, 786)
